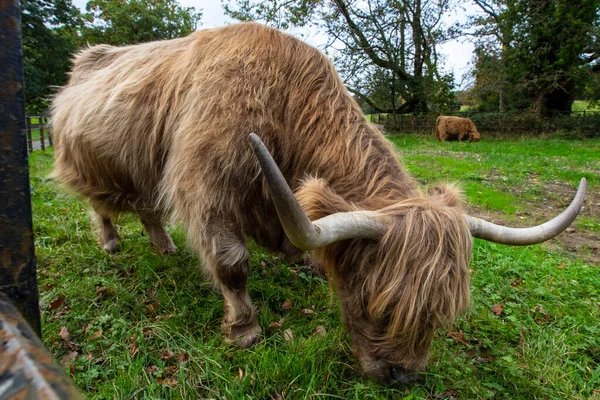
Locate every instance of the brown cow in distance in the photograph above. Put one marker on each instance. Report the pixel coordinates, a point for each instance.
(456, 128)
(162, 130)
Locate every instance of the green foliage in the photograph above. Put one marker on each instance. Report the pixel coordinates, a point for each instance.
(143, 325)
(385, 50)
(536, 55)
(121, 22)
(53, 30)
(49, 35)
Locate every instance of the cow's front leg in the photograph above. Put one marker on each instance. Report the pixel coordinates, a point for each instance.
(227, 260)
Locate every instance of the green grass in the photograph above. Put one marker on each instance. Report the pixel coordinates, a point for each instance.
(583, 105)
(146, 326)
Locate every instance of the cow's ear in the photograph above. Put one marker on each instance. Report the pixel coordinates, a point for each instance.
(448, 193)
(318, 199)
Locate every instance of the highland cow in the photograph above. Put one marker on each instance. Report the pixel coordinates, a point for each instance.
(456, 128)
(162, 130)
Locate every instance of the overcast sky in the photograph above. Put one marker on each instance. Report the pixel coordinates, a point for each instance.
(457, 53)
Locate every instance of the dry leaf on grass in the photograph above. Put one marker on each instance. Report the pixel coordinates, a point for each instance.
(68, 359)
(320, 331)
(458, 336)
(306, 311)
(498, 309)
(57, 303)
(166, 354)
(182, 357)
(133, 345)
(276, 324)
(288, 335)
(94, 336)
(167, 382)
(64, 334)
(287, 304)
(153, 369)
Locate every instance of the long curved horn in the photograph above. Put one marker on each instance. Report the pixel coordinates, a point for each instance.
(523, 236)
(303, 233)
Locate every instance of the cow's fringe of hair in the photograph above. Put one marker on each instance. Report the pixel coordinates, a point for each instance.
(421, 279)
(426, 281)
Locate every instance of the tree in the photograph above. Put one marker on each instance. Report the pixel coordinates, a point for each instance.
(385, 50)
(49, 29)
(544, 51)
(121, 22)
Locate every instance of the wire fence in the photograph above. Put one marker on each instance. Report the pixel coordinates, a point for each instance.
(576, 123)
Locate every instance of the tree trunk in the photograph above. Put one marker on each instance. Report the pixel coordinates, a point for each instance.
(560, 99)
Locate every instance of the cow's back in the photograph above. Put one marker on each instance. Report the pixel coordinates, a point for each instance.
(117, 120)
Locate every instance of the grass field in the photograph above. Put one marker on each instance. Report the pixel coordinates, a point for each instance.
(138, 325)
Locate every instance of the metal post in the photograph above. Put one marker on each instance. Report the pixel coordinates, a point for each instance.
(17, 260)
(27, 370)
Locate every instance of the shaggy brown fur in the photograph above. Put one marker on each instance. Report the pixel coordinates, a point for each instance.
(456, 128)
(161, 129)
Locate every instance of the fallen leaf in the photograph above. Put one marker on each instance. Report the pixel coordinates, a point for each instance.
(182, 357)
(64, 334)
(172, 370)
(306, 311)
(68, 359)
(167, 382)
(276, 324)
(148, 333)
(95, 336)
(151, 292)
(320, 331)
(287, 304)
(498, 309)
(152, 307)
(458, 336)
(166, 354)
(288, 335)
(133, 345)
(101, 292)
(152, 370)
(561, 266)
(57, 303)
(541, 316)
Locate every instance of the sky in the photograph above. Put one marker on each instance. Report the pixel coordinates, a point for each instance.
(457, 53)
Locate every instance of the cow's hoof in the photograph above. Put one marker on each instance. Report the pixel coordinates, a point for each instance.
(164, 244)
(242, 336)
(112, 246)
(171, 249)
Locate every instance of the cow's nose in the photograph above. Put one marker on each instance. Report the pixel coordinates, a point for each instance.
(401, 376)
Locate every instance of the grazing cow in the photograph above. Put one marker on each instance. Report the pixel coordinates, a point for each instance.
(456, 128)
(162, 129)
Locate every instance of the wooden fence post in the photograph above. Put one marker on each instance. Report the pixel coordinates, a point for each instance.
(28, 134)
(41, 124)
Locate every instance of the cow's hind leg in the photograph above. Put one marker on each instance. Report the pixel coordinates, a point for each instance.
(107, 232)
(159, 237)
(226, 257)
